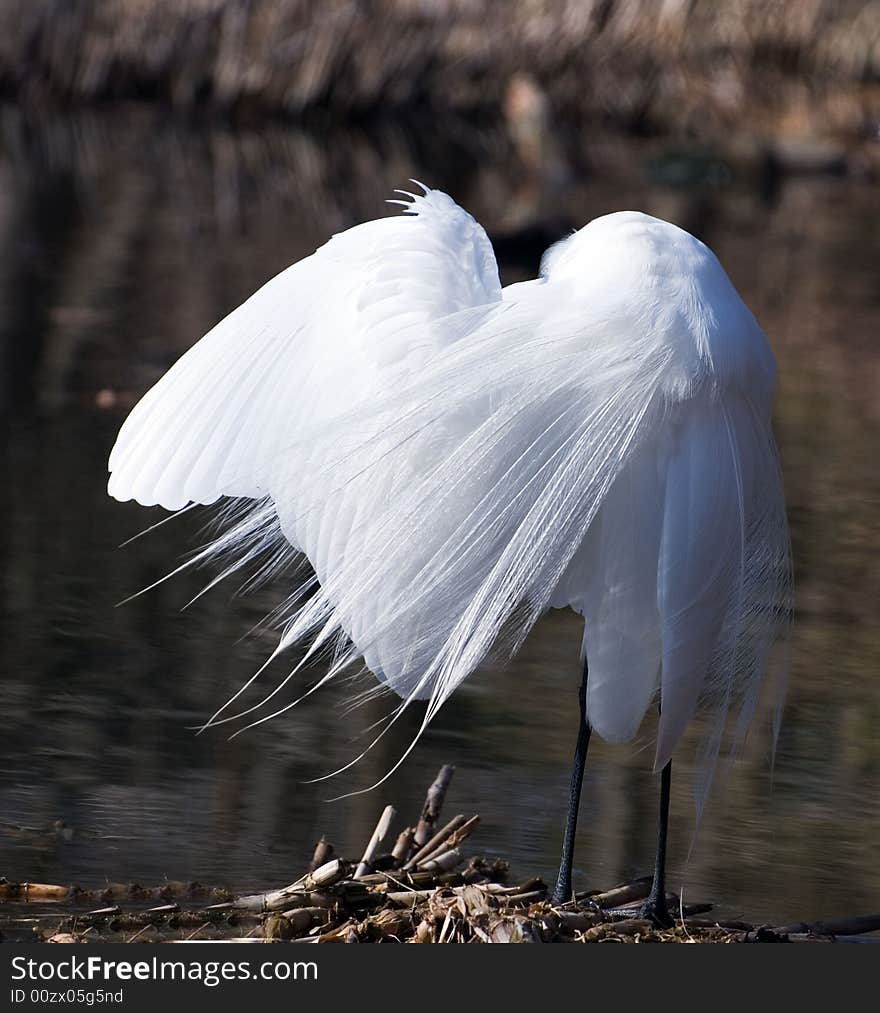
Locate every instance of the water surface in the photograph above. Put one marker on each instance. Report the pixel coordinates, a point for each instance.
(122, 239)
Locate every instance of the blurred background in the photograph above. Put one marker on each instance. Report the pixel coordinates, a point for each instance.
(160, 159)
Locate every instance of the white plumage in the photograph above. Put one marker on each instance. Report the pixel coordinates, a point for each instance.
(454, 458)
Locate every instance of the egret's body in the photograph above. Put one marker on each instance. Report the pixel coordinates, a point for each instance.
(454, 458)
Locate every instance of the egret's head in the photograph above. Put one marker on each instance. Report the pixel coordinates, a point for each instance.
(663, 281)
(625, 244)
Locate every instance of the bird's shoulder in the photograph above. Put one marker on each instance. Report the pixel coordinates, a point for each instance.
(650, 286)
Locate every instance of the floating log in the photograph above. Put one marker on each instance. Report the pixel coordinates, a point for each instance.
(31, 892)
(834, 926)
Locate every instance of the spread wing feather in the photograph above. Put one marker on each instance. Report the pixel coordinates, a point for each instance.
(306, 346)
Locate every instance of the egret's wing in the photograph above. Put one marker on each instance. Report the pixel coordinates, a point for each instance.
(453, 465)
(499, 456)
(556, 456)
(306, 346)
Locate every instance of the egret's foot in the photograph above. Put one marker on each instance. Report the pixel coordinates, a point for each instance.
(656, 911)
(562, 892)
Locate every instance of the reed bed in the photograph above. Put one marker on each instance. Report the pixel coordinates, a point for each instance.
(415, 886)
(638, 61)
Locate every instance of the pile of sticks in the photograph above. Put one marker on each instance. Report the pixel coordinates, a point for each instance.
(422, 890)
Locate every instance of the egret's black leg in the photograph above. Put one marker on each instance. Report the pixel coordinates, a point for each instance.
(655, 907)
(562, 892)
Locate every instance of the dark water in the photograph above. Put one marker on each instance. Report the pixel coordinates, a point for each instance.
(122, 239)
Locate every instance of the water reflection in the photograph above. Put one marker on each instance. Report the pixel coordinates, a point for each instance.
(124, 238)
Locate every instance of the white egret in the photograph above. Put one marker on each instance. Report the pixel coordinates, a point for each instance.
(454, 458)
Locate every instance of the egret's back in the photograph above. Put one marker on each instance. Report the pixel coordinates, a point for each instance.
(683, 578)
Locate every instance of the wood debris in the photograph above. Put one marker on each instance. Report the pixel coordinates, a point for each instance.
(422, 891)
